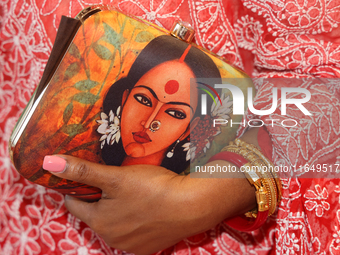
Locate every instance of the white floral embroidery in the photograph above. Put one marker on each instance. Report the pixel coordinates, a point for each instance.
(335, 244)
(313, 198)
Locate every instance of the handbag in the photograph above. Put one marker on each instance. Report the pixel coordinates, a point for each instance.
(119, 90)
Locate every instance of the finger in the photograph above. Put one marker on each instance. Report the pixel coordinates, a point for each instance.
(82, 171)
(82, 210)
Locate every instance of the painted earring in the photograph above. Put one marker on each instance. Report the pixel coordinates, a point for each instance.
(155, 125)
(171, 153)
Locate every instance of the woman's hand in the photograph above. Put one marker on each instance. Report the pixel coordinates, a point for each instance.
(147, 208)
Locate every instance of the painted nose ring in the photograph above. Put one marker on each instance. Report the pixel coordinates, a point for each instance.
(155, 125)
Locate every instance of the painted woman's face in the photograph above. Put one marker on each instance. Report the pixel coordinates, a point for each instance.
(157, 110)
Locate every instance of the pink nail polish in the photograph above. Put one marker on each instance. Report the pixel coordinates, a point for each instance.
(54, 164)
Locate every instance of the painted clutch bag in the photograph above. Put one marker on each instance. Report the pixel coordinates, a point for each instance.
(118, 90)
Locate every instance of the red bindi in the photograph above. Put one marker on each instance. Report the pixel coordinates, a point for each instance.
(171, 87)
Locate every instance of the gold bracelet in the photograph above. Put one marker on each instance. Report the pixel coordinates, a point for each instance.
(265, 179)
(268, 163)
(268, 179)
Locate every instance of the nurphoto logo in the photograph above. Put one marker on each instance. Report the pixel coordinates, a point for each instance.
(238, 101)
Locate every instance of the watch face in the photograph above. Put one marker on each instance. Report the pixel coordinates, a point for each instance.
(124, 93)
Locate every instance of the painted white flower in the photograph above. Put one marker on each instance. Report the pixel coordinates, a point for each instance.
(222, 110)
(109, 127)
(190, 149)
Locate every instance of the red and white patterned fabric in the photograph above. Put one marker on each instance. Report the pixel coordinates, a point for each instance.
(291, 38)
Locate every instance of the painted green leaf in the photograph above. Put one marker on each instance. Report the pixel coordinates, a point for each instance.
(68, 112)
(144, 36)
(74, 51)
(102, 51)
(73, 129)
(72, 70)
(88, 73)
(113, 37)
(85, 98)
(138, 24)
(57, 77)
(85, 85)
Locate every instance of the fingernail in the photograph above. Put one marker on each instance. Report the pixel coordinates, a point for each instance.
(54, 164)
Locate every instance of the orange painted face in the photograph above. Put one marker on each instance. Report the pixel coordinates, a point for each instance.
(156, 112)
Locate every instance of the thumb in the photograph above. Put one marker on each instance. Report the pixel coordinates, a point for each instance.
(80, 170)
